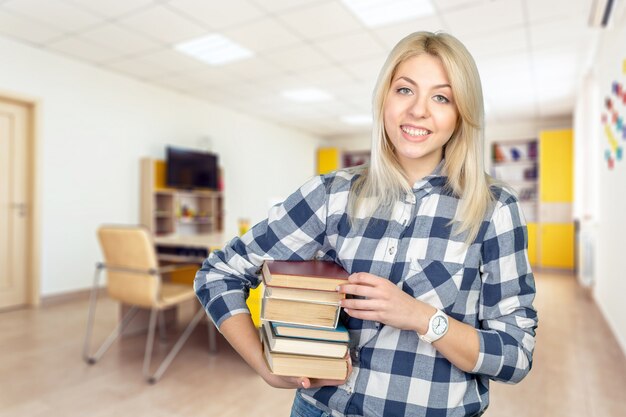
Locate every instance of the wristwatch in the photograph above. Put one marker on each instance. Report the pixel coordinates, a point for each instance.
(437, 327)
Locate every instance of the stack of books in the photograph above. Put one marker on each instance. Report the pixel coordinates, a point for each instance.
(300, 309)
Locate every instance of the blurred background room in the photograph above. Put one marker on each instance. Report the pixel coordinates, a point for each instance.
(100, 99)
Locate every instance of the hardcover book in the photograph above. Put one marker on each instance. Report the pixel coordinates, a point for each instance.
(310, 275)
(339, 334)
(297, 346)
(294, 306)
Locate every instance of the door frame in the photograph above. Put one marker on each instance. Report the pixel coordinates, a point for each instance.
(33, 257)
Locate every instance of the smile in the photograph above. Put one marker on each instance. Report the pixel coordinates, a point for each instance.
(415, 132)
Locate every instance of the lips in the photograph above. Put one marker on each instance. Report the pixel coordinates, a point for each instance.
(415, 132)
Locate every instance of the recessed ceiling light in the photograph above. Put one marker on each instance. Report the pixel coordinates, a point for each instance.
(214, 49)
(375, 13)
(357, 119)
(307, 95)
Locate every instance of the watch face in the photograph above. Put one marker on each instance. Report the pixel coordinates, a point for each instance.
(440, 324)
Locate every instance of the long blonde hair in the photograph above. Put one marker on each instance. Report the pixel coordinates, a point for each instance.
(384, 182)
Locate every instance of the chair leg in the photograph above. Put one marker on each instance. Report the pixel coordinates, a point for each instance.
(90, 320)
(172, 354)
(162, 327)
(147, 358)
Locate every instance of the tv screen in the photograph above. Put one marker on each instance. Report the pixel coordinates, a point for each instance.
(191, 169)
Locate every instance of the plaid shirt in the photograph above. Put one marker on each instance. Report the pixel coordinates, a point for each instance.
(488, 285)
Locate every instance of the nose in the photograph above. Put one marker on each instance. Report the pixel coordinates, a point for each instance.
(419, 107)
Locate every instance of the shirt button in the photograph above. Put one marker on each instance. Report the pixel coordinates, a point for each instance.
(392, 250)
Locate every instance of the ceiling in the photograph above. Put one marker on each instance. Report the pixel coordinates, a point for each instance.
(530, 53)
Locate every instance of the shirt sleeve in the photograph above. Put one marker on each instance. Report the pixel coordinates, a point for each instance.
(506, 314)
(294, 230)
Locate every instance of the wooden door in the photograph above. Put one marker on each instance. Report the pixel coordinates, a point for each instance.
(15, 204)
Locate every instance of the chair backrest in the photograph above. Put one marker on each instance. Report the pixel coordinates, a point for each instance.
(131, 264)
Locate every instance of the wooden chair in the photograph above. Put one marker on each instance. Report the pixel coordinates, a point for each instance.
(134, 279)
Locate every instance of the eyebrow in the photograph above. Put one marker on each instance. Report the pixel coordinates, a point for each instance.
(410, 81)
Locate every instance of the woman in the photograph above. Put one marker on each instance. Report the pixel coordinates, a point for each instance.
(437, 253)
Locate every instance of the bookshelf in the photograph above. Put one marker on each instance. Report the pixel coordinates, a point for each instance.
(168, 211)
(517, 164)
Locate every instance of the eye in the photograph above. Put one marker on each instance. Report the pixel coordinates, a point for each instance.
(441, 99)
(404, 91)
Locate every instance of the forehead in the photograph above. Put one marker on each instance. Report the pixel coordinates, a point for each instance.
(422, 67)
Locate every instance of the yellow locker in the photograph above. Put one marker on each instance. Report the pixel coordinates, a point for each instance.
(556, 166)
(327, 160)
(557, 245)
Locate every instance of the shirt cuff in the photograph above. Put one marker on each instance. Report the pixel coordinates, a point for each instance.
(490, 356)
(225, 305)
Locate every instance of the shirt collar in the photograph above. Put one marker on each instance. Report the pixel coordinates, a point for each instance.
(436, 178)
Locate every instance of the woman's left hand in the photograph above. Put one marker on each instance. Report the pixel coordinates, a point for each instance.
(384, 302)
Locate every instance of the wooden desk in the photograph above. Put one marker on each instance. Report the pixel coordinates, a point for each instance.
(187, 248)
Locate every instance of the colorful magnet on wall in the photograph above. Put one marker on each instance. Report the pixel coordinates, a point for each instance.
(603, 118)
(608, 103)
(614, 117)
(618, 154)
(619, 123)
(615, 88)
(610, 162)
(607, 155)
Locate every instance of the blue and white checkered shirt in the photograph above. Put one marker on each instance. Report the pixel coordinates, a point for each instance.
(488, 285)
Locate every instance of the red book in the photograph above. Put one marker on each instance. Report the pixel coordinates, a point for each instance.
(311, 275)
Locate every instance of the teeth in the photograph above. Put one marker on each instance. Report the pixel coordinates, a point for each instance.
(415, 132)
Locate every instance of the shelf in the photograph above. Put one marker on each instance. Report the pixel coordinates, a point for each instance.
(184, 220)
(517, 162)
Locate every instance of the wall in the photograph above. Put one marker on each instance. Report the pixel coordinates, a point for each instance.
(604, 209)
(94, 128)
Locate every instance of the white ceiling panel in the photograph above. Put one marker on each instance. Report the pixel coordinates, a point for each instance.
(346, 48)
(218, 14)
(263, 35)
(321, 20)
(120, 39)
(83, 50)
(162, 24)
(485, 46)
(283, 5)
(299, 58)
(485, 18)
(63, 16)
(111, 8)
(543, 11)
(25, 29)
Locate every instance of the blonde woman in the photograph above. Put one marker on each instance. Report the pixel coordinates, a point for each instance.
(440, 292)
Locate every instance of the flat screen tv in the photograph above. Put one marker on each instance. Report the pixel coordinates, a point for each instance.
(189, 169)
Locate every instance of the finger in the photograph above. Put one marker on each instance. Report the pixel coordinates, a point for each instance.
(364, 278)
(360, 304)
(304, 382)
(358, 290)
(370, 315)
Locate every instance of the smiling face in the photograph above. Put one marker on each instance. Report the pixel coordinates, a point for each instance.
(419, 114)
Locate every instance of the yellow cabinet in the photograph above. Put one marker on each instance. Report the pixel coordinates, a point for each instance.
(556, 162)
(328, 159)
(556, 194)
(557, 245)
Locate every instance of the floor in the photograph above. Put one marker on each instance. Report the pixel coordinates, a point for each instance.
(579, 369)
